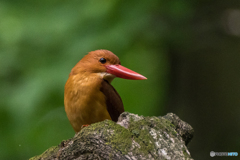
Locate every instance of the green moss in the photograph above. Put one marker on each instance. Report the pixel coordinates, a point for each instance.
(141, 136)
(136, 139)
(121, 138)
(185, 153)
(172, 125)
(46, 154)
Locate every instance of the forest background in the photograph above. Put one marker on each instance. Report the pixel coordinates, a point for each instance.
(189, 50)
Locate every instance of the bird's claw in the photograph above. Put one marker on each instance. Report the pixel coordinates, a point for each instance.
(85, 125)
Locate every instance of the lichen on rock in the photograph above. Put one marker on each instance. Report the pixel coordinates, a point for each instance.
(132, 137)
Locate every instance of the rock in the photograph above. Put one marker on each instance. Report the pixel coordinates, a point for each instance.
(133, 137)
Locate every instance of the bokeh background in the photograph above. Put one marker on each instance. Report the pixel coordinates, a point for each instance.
(189, 50)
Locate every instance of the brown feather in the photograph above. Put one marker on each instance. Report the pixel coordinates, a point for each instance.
(113, 100)
(83, 100)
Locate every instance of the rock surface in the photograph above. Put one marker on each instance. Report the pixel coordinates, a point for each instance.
(133, 137)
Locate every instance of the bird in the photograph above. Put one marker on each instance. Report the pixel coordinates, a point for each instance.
(89, 96)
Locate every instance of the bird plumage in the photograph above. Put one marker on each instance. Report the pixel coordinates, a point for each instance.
(88, 96)
(113, 100)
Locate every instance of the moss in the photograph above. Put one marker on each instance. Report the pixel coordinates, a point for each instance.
(143, 137)
(121, 138)
(46, 154)
(185, 153)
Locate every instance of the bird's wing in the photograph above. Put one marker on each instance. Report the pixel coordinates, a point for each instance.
(113, 100)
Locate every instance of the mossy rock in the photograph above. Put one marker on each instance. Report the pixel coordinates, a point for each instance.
(132, 137)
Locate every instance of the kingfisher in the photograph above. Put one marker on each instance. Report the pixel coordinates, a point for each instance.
(89, 96)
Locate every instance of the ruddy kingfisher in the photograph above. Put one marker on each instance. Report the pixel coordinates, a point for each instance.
(89, 96)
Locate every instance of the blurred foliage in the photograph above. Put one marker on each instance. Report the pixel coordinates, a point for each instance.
(41, 41)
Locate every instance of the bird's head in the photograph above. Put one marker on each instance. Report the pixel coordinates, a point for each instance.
(106, 64)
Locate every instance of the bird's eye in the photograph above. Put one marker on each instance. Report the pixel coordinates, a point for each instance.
(102, 60)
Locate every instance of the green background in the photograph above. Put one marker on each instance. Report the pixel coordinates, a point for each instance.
(189, 50)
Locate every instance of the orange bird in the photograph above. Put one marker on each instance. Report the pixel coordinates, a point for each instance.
(88, 96)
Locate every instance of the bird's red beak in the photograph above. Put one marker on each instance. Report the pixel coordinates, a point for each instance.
(123, 72)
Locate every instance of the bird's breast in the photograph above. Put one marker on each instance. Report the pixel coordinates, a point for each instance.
(83, 100)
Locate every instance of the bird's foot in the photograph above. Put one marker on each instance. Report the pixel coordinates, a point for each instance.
(85, 125)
